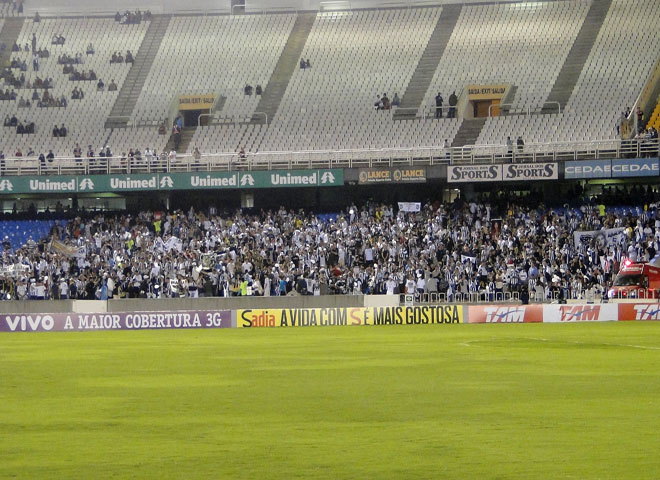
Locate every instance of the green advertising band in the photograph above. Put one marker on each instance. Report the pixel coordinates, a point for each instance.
(171, 181)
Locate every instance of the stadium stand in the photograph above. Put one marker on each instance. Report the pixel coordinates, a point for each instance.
(355, 55)
(614, 74)
(214, 54)
(456, 251)
(356, 58)
(84, 119)
(522, 44)
(24, 233)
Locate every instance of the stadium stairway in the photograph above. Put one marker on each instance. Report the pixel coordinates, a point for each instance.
(187, 134)
(137, 75)
(286, 65)
(468, 132)
(428, 63)
(8, 36)
(577, 57)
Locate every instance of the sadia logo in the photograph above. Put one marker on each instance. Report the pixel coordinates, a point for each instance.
(166, 182)
(247, 179)
(86, 184)
(6, 185)
(327, 177)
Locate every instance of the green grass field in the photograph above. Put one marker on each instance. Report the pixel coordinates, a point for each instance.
(542, 401)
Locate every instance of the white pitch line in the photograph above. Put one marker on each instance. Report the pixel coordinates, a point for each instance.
(575, 342)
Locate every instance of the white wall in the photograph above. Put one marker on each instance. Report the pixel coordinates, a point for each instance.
(55, 7)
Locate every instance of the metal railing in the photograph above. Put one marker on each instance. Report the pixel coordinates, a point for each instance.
(362, 158)
(504, 112)
(261, 113)
(334, 5)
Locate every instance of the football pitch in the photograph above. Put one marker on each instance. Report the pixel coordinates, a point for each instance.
(537, 401)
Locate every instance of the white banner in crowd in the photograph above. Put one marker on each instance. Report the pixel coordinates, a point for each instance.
(606, 237)
(410, 206)
(172, 243)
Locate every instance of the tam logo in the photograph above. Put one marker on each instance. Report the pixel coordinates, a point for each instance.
(647, 312)
(26, 323)
(6, 185)
(504, 314)
(247, 179)
(580, 313)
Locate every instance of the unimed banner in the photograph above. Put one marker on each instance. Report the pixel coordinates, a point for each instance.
(505, 314)
(62, 322)
(310, 317)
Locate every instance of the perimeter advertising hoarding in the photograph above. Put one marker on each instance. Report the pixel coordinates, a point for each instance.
(71, 322)
(505, 314)
(392, 175)
(588, 169)
(605, 312)
(339, 316)
(635, 167)
(638, 311)
(474, 173)
(149, 182)
(522, 172)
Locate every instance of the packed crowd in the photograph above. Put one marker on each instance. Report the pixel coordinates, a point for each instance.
(457, 249)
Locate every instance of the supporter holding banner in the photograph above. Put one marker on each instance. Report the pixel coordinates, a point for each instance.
(604, 238)
(410, 206)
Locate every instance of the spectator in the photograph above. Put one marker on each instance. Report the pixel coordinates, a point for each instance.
(129, 57)
(258, 90)
(36, 18)
(112, 87)
(56, 131)
(438, 105)
(248, 89)
(453, 100)
(520, 144)
(303, 65)
(308, 64)
(386, 102)
(63, 131)
(90, 49)
(100, 85)
(396, 101)
(77, 151)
